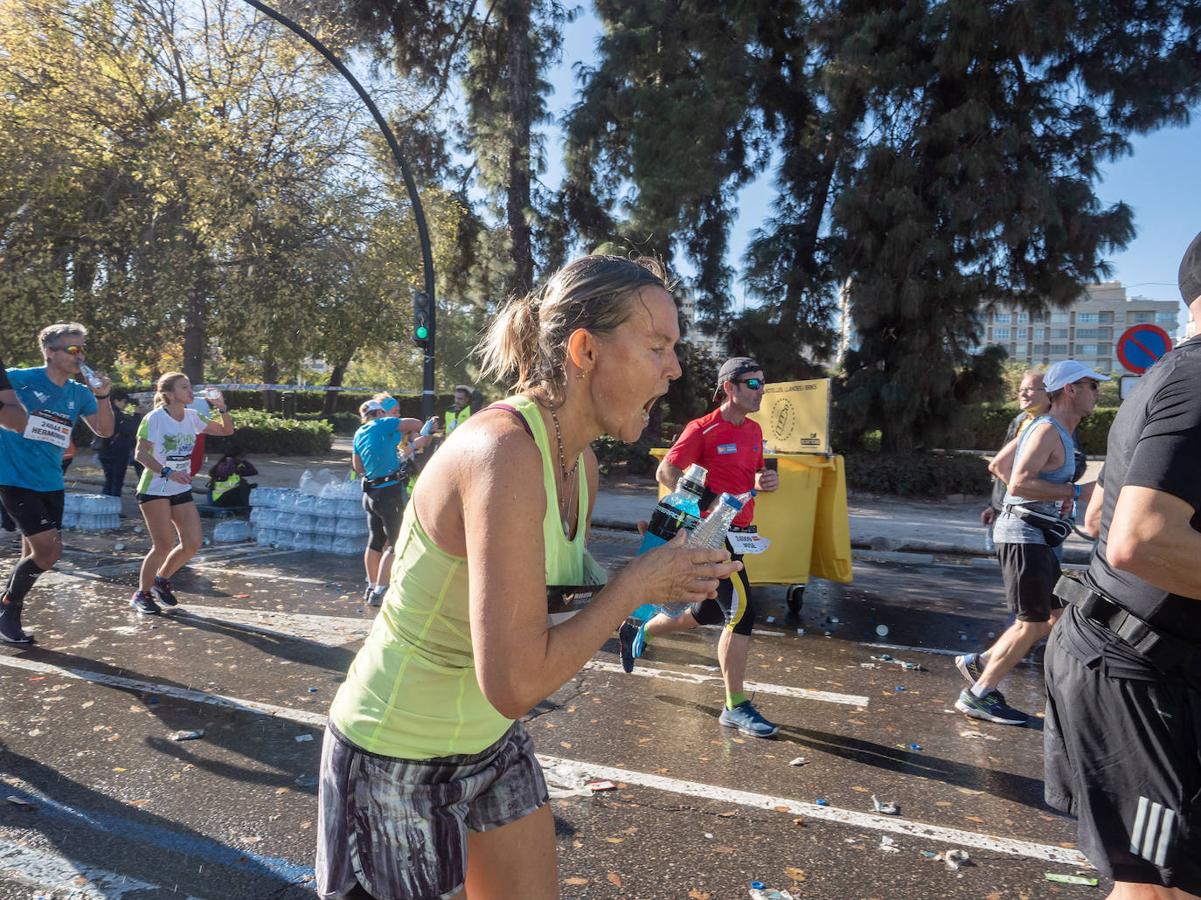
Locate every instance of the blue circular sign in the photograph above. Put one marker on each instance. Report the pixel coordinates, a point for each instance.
(1141, 346)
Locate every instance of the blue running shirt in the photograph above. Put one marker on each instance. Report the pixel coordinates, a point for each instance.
(34, 459)
(377, 444)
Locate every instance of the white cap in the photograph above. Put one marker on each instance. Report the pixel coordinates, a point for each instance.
(373, 406)
(1069, 371)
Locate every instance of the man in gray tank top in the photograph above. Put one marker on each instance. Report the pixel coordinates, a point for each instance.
(1040, 492)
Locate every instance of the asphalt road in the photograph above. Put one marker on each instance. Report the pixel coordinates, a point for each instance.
(99, 800)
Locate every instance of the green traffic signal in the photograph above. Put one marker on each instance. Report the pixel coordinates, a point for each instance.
(422, 332)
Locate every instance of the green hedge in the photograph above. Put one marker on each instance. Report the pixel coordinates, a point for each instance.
(635, 458)
(984, 428)
(917, 474)
(260, 432)
(344, 424)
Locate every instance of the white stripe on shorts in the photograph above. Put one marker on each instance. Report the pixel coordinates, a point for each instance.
(1154, 825)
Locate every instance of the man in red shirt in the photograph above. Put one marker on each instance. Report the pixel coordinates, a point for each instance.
(730, 446)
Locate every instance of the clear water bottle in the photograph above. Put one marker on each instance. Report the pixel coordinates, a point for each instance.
(89, 375)
(428, 428)
(711, 533)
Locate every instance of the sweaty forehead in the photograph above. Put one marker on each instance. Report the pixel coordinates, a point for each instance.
(657, 313)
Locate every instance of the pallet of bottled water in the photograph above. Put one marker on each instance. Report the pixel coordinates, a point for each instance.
(91, 512)
(325, 514)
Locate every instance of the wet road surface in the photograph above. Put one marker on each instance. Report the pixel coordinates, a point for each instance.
(103, 800)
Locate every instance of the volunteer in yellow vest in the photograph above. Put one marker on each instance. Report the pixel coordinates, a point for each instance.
(460, 412)
(429, 786)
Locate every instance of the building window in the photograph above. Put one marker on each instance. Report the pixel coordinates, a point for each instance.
(1023, 318)
(1086, 350)
(1040, 333)
(1166, 318)
(1140, 318)
(1092, 333)
(1000, 334)
(1021, 334)
(1106, 318)
(1060, 318)
(1087, 318)
(1058, 350)
(1059, 333)
(1002, 317)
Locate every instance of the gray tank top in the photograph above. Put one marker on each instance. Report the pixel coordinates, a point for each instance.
(1009, 529)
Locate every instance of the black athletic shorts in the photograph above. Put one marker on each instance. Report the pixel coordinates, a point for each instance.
(1029, 572)
(385, 508)
(1123, 755)
(176, 499)
(713, 612)
(33, 511)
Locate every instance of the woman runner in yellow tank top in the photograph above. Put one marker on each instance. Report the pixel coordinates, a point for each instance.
(429, 786)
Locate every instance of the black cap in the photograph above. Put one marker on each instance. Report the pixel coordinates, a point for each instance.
(732, 368)
(1190, 272)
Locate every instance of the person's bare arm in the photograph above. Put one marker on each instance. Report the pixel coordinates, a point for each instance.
(356, 463)
(1092, 515)
(1002, 464)
(101, 421)
(1026, 482)
(668, 475)
(12, 412)
(519, 659)
(1151, 536)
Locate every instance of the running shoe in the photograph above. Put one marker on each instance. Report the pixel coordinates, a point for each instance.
(368, 592)
(377, 596)
(748, 720)
(641, 642)
(143, 602)
(970, 666)
(626, 633)
(10, 624)
(163, 592)
(991, 708)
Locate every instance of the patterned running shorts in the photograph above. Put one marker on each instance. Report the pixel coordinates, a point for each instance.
(397, 828)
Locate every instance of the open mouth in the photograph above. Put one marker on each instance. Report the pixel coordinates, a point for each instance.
(648, 406)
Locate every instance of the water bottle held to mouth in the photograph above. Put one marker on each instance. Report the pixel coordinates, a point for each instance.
(90, 375)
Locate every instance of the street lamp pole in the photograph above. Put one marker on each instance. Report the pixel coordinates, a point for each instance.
(427, 257)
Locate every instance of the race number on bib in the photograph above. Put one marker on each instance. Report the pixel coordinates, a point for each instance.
(743, 542)
(49, 428)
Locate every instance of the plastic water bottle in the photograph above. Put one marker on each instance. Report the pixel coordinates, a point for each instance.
(428, 428)
(711, 533)
(90, 375)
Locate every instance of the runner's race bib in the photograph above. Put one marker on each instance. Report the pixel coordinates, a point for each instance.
(746, 542)
(49, 428)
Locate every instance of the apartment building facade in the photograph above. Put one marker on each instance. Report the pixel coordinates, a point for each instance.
(1088, 330)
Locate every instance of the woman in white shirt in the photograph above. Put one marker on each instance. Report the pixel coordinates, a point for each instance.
(166, 438)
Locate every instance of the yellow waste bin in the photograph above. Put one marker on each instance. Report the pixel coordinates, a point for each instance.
(806, 521)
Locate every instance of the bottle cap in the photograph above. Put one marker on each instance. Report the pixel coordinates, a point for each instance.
(694, 479)
(731, 500)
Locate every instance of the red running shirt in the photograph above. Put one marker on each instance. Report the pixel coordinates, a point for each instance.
(731, 453)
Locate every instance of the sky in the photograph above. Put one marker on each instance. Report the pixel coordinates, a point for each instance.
(1160, 180)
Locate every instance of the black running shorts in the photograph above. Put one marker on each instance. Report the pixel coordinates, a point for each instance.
(1123, 755)
(1029, 572)
(33, 511)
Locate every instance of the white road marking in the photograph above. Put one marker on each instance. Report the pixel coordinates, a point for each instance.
(894, 824)
(167, 690)
(64, 876)
(782, 690)
(835, 815)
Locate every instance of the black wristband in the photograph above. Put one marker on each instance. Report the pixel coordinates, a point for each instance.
(5, 384)
(102, 396)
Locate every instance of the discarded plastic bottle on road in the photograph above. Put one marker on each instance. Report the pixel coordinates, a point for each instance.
(760, 891)
(90, 375)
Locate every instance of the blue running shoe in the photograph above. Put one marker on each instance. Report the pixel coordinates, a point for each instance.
(748, 720)
(970, 667)
(143, 602)
(991, 708)
(640, 642)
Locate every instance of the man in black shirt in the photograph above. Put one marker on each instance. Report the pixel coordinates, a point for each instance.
(1123, 668)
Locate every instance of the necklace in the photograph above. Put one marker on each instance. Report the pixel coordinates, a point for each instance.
(567, 475)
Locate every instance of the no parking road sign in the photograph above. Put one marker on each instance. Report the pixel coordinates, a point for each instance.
(1141, 345)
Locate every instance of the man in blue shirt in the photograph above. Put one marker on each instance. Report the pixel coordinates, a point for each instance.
(31, 476)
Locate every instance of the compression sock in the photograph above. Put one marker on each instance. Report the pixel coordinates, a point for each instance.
(733, 700)
(979, 690)
(23, 577)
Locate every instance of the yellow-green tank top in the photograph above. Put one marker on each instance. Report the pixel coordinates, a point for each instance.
(411, 691)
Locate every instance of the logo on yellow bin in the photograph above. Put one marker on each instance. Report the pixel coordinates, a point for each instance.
(783, 420)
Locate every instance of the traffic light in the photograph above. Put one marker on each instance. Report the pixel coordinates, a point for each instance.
(422, 316)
